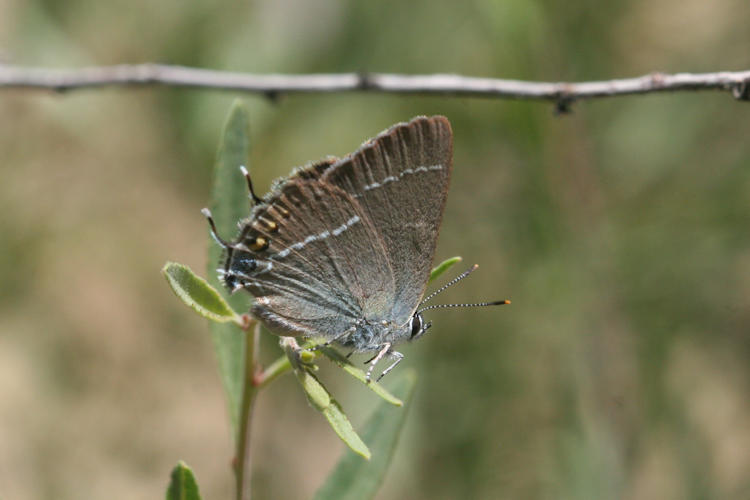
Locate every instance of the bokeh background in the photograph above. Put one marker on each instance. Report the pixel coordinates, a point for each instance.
(620, 232)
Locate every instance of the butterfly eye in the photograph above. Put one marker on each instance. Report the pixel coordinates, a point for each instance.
(416, 325)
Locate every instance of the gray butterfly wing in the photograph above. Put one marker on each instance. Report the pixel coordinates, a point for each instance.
(324, 262)
(400, 179)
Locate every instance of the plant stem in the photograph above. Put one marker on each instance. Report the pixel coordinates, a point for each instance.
(249, 391)
(274, 370)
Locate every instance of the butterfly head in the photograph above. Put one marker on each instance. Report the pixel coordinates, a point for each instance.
(417, 326)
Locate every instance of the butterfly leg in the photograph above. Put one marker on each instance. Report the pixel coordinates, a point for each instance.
(385, 348)
(394, 354)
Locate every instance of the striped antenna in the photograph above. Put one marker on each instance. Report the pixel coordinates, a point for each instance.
(453, 282)
(477, 304)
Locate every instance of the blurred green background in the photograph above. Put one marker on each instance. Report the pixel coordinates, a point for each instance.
(620, 232)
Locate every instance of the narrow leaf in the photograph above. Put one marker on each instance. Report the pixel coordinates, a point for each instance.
(444, 266)
(318, 396)
(338, 420)
(355, 479)
(321, 400)
(229, 205)
(182, 485)
(360, 375)
(196, 293)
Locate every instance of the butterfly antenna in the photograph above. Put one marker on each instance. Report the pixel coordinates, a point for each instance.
(478, 304)
(451, 283)
(244, 171)
(207, 214)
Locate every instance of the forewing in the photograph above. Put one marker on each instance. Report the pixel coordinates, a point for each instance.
(400, 179)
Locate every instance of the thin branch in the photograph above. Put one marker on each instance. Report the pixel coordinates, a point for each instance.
(273, 85)
(243, 471)
(274, 371)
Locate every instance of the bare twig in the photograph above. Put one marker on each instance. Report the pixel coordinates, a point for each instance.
(273, 85)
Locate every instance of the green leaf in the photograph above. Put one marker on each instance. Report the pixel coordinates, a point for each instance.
(355, 479)
(444, 266)
(316, 393)
(321, 400)
(196, 293)
(182, 485)
(230, 204)
(338, 420)
(360, 375)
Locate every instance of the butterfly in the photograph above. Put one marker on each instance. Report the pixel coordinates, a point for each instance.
(342, 249)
